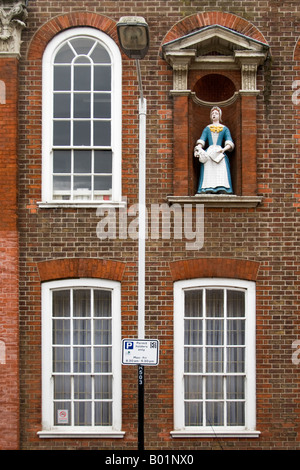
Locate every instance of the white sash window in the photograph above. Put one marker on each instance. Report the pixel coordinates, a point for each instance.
(81, 358)
(214, 357)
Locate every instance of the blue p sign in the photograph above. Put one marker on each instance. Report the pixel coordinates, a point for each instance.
(128, 345)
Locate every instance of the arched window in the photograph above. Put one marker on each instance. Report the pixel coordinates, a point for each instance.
(81, 118)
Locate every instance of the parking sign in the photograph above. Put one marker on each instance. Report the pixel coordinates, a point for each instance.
(140, 351)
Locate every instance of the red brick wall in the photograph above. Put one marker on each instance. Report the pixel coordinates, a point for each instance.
(296, 102)
(9, 259)
(264, 237)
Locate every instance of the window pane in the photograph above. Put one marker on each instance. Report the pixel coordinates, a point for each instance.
(82, 359)
(61, 360)
(193, 332)
(62, 387)
(82, 413)
(82, 161)
(103, 359)
(82, 105)
(82, 387)
(214, 332)
(82, 77)
(102, 303)
(61, 161)
(102, 78)
(214, 302)
(61, 183)
(62, 414)
(236, 332)
(236, 413)
(193, 359)
(103, 414)
(82, 45)
(61, 303)
(62, 103)
(103, 161)
(102, 331)
(102, 105)
(235, 388)
(235, 359)
(214, 388)
(193, 414)
(102, 133)
(215, 413)
(82, 133)
(82, 183)
(61, 331)
(235, 303)
(100, 55)
(193, 387)
(103, 183)
(82, 302)
(61, 133)
(65, 55)
(62, 78)
(214, 360)
(193, 303)
(82, 332)
(103, 387)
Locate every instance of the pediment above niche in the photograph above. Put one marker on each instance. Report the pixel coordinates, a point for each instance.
(215, 47)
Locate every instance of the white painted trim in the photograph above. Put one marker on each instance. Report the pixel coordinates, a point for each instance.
(116, 129)
(81, 435)
(250, 415)
(48, 429)
(218, 434)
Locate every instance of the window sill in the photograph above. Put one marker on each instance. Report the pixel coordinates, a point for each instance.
(83, 204)
(214, 434)
(81, 434)
(217, 200)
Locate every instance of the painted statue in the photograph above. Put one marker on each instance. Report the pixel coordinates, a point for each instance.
(214, 169)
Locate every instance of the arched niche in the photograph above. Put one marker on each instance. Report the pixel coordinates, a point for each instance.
(210, 56)
(215, 89)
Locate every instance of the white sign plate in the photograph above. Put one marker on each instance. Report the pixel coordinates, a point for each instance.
(140, 351)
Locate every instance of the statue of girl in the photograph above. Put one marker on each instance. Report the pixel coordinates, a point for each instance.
(214, 170)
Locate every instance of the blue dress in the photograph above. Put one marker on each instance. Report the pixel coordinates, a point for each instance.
(215, 176)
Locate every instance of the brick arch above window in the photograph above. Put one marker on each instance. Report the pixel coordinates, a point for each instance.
(63, 22)
(214, 267)
(80, 268)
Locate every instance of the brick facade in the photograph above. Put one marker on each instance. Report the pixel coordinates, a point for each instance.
(9, 326)
(258, 244)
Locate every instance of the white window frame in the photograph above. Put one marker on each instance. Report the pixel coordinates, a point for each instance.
(180, 430)
(116, 116)
(48, 428)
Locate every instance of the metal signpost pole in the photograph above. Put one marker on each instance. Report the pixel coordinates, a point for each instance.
(141, 263)
(134, 39)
